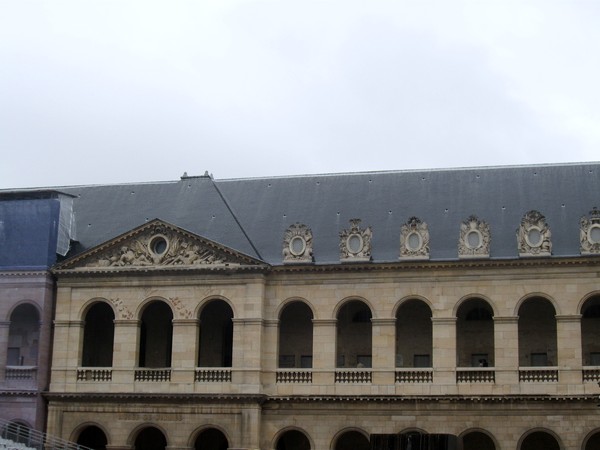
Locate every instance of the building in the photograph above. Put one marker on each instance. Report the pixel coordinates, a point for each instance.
(34, 231)
(316, 312)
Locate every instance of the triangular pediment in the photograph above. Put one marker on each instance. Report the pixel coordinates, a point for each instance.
(158, 245)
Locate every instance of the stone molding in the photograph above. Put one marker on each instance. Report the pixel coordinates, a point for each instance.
(355, 243)
(474, 239)
(414, 239)
(297, 244)
(534, 236)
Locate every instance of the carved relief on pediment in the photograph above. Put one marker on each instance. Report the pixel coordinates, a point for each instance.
(157, 245)
(414, 239)
(534, 236)
(474, 239)
(589, 233)
(297, 244)
(355, 243)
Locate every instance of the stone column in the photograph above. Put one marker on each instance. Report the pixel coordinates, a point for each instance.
(125, 350)
(444, 350)
(506, 350)
(270, 357)
(247, 339)
(384, 350)
(184, 354)
(569, 360)
(66, 356)
(324, 335)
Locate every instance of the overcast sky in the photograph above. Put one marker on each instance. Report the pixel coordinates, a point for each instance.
(121, 91)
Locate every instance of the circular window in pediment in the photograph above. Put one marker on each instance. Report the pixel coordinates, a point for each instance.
(158, 245)
(354, 243)
(474, 240)
(534, 237)
(414, 241)
(297, 246)
(594, 234)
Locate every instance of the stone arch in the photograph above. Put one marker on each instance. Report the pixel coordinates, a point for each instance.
(408, 298)
(215, 346)
(156, 334)
(474, 332)
(592, 440)
(536, 295)
(537, 332)
(590, 330)
(585, 298)
(21, 303)
(354, 334)
(289, 300)
(198, 431)
(414, 333)
(351, 438)
(17, 430)
(206, 300)
(478, 439)
(211, 438)
(135, 434)
(468, 297)
(91, 302)
(538, 438)
(23, 335)
(297, 435)
(345, 300)
(414, 430)
(148, 301)
(98, 334)
(295, 335)
(92, 435)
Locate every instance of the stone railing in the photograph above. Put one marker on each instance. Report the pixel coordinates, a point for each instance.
(213, 375)
(21, 373)
(152, 375)
(538, 374)
(293, 376)
(88, 374)
(353, 376)
(414, 375)
(590, 374)
(475, 375)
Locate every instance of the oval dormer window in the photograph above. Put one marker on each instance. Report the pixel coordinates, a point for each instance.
(534, 237)
(297, 246)
(159, 245)
(414, 241)
(474, 239)
(354, 243)
(594, 234)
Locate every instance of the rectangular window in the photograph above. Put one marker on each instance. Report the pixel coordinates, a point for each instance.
(595, 359)
(479, 360)
(287, 361)
(306, 361)
(13, 357)
(363, 361)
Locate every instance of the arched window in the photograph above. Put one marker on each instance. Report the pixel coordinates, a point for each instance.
(540, 440)
(354, 335)
(476, 440)
(23, 336)
(156, 335)
(414, 342)
(537, 333)
(92, 437)
(216, 335)
(150, 438)
(590, 331)
(211, 439)
(352, 440)
(293, 440)
(475, 334)
(295, 336)
(98, 336)
(593, 443)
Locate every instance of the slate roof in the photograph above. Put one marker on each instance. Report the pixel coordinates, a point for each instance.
(251, 215)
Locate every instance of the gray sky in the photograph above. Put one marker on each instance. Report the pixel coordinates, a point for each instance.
(122, 91)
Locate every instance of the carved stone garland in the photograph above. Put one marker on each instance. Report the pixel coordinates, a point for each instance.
(158, 246)
(534, 236)
(474, 240)
(297, 244)
(355, 243)
(589, 234)
(414, 240)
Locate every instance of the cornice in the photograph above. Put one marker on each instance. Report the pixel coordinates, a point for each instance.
(155, 397)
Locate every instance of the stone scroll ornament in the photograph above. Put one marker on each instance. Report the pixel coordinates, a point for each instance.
(355, 243)
(297, 244)
(534, 236)
(589, 233)
(158, 246)
(414, 239)
(474, 239)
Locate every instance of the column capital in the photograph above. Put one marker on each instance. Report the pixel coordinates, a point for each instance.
(506, 319)
(324, 322)
(568, 318)
(384, 321)
(443, 320)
